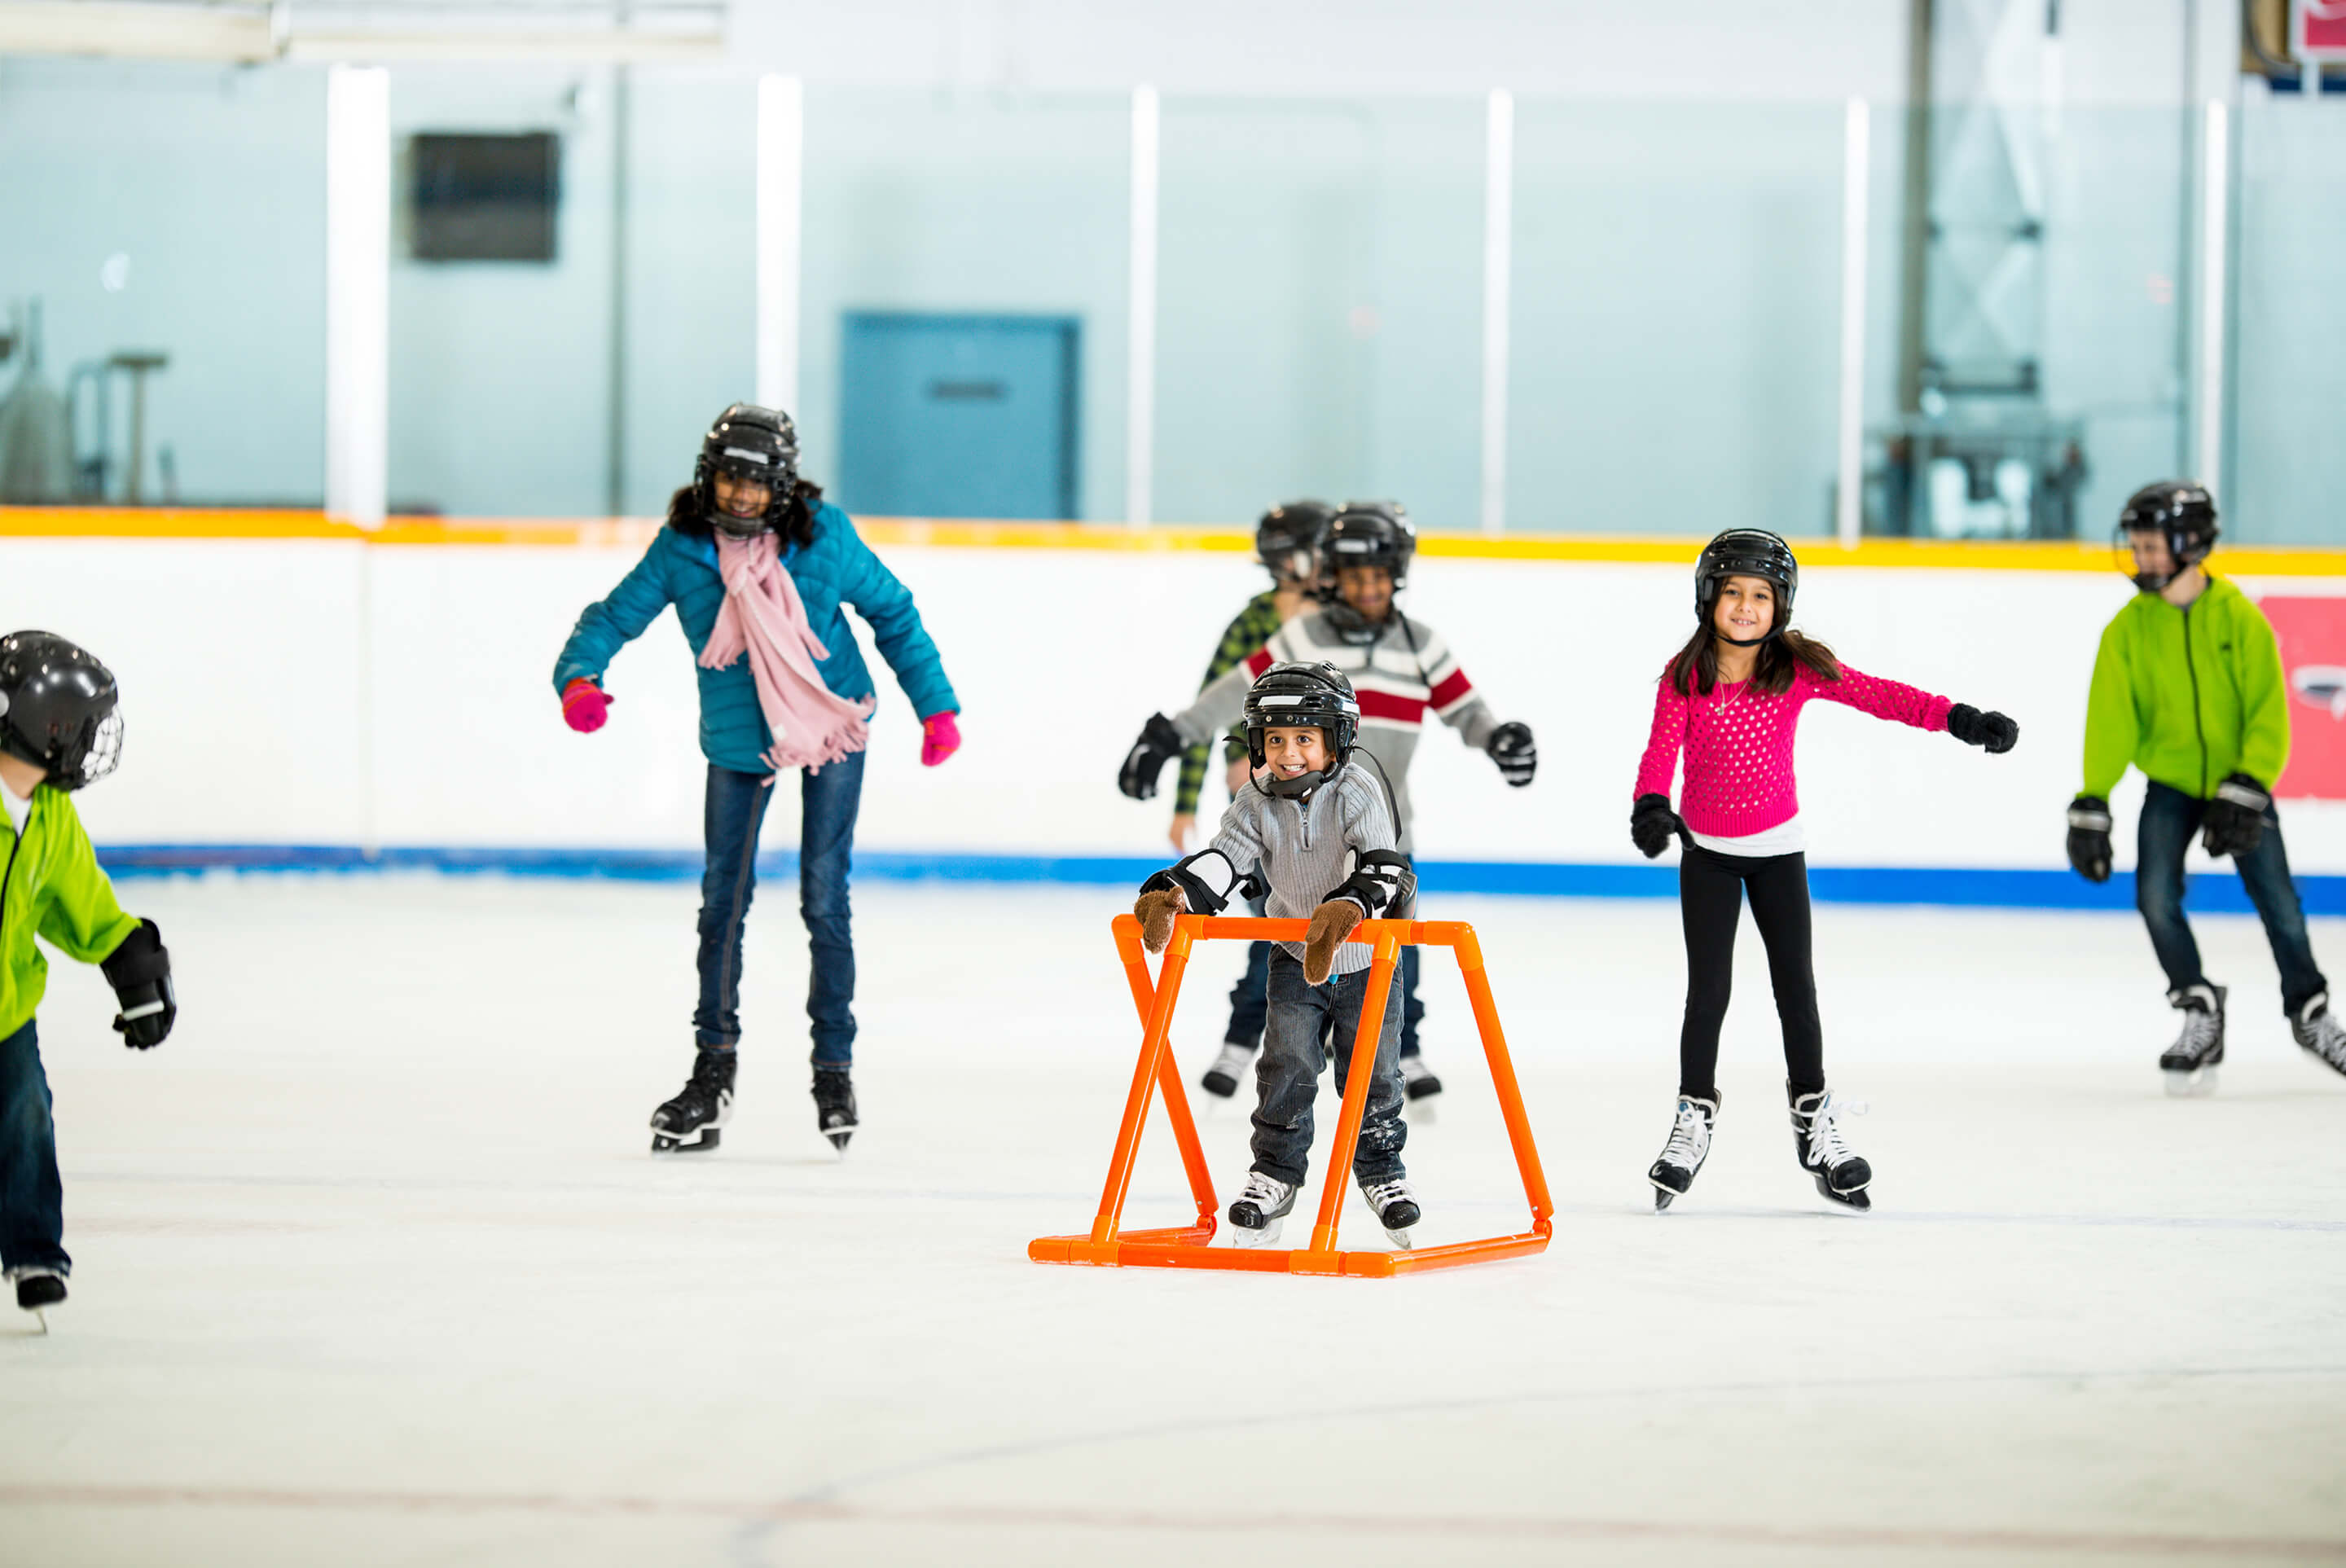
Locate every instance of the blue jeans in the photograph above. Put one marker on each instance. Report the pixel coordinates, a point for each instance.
(1250, 998)
(1287, 1073)
(32, 1199)
(2169, 819)
(735, 808)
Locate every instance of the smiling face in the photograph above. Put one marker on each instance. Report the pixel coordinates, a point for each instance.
(1369, 590)
(739, 497)
(1290, 753)
(2152, 559)
(1746, 610)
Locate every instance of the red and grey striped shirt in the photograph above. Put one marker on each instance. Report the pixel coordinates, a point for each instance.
(1408, 672)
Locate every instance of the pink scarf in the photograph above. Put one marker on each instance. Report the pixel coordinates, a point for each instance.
(764, 616)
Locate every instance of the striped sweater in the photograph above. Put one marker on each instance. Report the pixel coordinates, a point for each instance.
(1406, 672)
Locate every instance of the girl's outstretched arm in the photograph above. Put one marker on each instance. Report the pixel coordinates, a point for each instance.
(607, 627)
(1881, 698)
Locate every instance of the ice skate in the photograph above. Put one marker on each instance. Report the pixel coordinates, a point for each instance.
(38, 1289)
(1841, 1174)
(1417, 1080)
(1262, 1205)
(1229, 1071)
(2319, 1033)
(2191, 1063)
(1682, 1156)
(834, 1105)
(700, 1109)
(1394, 1203)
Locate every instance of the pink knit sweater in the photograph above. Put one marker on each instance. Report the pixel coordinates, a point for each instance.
(1738, 744)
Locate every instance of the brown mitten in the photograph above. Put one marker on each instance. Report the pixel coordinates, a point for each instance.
(1156, 911)
(1332, 922)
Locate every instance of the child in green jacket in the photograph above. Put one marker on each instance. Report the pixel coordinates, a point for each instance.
(2188, 687)
(59, 731)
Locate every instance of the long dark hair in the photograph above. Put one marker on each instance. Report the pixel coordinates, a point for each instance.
(686, 515)
(1697, 664)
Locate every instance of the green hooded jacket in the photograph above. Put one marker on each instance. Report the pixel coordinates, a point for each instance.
(2190, 696)
(52, 889)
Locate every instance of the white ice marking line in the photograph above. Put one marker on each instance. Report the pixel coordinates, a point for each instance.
(1017, 1516)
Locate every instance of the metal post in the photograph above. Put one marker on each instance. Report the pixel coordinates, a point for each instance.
(1140, 330)
(1857, 167)
(1498, 277)
(782, 165)
(2214, 216)
(358, 293)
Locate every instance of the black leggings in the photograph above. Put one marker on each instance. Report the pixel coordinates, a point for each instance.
(1710, 900)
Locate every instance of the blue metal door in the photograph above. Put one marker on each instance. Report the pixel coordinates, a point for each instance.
(958, 416)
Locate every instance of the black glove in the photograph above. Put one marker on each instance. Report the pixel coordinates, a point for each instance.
(1652, 824)
(1511, 748)
(140, 973)
(1159, 743)
(2090, 837)
(2235, 823)
(1973, 727)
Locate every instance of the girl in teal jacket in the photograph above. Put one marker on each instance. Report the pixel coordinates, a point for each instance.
(753, 558)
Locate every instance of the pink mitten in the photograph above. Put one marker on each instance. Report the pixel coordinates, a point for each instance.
(940, 738)
(585, 706)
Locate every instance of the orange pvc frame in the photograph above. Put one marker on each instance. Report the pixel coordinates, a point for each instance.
(1185, 1247)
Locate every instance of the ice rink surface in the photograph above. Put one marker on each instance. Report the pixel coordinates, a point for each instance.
(372, 1265)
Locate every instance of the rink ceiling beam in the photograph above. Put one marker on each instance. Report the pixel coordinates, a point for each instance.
(1155, 1075)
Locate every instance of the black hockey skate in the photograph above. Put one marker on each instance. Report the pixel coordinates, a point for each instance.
(1394, 1203)
(1682, 1156)
(2192, 1061)
(2319, 1033)
(1260, 1210)
(834, 1105)
(1230, 1069)
(38, 1289)
(700, 1109)
(1840, 1175)
(1417, 1079)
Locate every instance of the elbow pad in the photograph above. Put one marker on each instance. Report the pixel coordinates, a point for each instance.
(1206, 879)
(1380, 880)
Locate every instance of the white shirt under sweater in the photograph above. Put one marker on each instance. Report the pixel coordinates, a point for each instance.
(1407, 670)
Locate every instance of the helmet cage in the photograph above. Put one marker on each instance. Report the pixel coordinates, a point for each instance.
(2182, 514)
(749, 442)
(61, 714)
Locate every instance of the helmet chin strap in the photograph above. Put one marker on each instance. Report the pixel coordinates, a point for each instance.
(1299, 788)
(1772, 634)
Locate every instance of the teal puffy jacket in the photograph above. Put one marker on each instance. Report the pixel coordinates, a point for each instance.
(837, 569)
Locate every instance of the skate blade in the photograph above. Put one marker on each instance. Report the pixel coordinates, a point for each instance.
(2192, 1085)
(1663, 1197)
(1267, 1237)
(839, 1141)
(43, 1320)
(1401, 1240)
(665, 1144)
(1856, 1200)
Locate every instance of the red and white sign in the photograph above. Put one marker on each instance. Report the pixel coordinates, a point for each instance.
(2312, 634)
(2317, 29)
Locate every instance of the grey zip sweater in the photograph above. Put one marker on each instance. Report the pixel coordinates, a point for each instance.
(1407, 670)
(1303, 849)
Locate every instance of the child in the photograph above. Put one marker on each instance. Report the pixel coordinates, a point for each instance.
(1401, 668)
(2188, 687)
(1286, 543)
(757, 563)
(59, 731)
(1311, 827)
(1731, 699)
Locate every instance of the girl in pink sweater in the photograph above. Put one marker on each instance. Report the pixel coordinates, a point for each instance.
(1731, 700)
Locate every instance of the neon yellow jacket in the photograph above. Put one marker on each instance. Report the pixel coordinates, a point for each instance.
(2190, 696)
(52, 888)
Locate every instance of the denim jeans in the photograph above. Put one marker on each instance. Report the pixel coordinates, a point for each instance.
(32, 1199)
(734, 810)
(1250, 998)
(2169, 820)
(1287, 1073)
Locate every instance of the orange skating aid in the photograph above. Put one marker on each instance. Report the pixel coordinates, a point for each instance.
(1185, 1247)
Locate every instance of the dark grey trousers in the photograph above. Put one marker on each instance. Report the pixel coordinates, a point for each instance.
(1287, 1073)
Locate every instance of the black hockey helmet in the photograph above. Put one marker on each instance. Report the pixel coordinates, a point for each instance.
(1287, 540)
(1747, 553)
(57, 709)
(2183, 512)
(1301, 695)
(1369, 533)
(749, 442)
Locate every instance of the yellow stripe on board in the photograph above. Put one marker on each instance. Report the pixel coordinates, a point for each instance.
(1969, 555)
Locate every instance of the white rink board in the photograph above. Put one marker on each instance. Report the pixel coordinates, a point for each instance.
(373, 1267)
(319, 693)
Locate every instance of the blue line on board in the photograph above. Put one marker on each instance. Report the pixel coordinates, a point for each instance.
(1978, 887)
